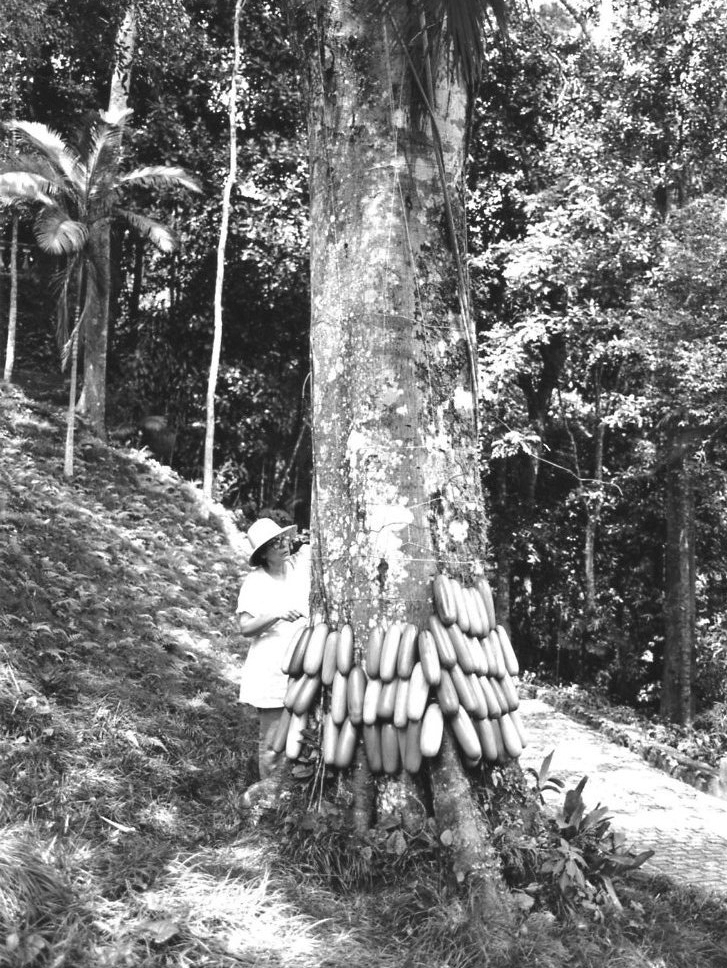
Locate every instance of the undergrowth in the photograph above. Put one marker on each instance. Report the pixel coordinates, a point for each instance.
(580, 896)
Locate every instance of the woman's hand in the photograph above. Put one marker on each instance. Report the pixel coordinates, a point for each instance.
(291, 615)
(250, 625)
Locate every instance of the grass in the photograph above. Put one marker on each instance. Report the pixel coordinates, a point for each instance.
(124, 757)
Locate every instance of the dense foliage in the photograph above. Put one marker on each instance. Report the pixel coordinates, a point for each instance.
(598, 228)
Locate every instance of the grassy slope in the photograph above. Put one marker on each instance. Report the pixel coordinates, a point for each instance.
(123, 755)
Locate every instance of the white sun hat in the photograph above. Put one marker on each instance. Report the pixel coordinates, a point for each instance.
(262, 531)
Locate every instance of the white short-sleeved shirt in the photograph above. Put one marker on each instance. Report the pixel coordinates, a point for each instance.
(263, 682)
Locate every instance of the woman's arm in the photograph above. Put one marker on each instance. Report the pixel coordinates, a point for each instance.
(251, 625)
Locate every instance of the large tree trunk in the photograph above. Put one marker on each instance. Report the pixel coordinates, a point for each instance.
(677, 693)
(396, 491)
(93, 403)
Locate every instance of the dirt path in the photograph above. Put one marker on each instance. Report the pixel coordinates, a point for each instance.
(686, 828)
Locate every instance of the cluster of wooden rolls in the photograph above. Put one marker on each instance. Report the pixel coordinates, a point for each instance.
(406, 682)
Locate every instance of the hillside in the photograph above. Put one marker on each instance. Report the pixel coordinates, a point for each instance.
(124, 754)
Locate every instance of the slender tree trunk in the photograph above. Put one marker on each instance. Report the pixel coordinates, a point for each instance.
(96, 330)
(137, 283)
(13, 295)
(593, 500)
(396, 487)
(209, 440)
(538, 393)
(677, 694)
(173, 285)
(13, 304)
(285, 477)
(502, 541)
(589, 563)
(71, 415)
(95, 336)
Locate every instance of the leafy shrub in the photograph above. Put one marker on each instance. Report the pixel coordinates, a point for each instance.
(564, 859)
(711, 649)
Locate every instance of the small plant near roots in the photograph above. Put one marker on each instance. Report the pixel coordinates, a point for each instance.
(565, 859)
(315, 827)
(321, 844)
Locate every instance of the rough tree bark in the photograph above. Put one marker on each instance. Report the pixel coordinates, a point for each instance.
(396, 493)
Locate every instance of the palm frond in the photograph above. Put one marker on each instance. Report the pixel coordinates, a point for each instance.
(58, 280)
(160, 236)
(102, 164)
(62, 286)
(51, 145)
(67, 346)
(160, 176)
(59, 234)
(464, 25)
(18, 187)
(35, 165)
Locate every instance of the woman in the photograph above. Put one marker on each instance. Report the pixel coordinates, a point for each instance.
(271, 608)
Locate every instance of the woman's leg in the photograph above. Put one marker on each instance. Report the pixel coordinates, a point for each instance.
(267, 758)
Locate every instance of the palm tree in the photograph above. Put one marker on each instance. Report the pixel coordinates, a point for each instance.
(78, 193)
